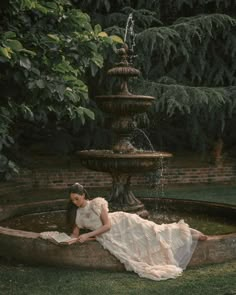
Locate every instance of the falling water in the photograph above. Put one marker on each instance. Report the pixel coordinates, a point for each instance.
(156, 179)
(159, 185)
(140, 131)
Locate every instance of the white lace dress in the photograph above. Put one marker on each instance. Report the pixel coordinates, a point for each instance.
(153, 251)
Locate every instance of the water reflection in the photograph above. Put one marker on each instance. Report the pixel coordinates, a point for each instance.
(55, 221)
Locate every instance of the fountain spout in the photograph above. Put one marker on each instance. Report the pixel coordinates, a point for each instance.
(123, 70)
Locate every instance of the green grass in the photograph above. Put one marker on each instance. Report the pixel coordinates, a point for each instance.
(219, 193)
(21, 280)
(217, 279)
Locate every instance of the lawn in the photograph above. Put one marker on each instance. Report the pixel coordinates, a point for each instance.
(21, 280)
(18, 279)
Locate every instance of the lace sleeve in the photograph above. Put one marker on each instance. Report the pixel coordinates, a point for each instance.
(98, 204)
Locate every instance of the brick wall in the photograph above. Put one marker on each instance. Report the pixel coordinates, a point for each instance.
(61, 178)
(201, 175)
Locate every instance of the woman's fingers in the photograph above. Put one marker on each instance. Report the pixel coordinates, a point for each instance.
(82, 238)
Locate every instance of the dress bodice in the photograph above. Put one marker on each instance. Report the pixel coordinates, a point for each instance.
(88, 217)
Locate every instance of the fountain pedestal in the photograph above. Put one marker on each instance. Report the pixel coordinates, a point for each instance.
(122, 198)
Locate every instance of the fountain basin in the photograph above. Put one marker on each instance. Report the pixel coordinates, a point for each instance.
(108, 161)
(27, 247)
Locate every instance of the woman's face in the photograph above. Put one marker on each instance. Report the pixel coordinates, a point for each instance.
(77, 199)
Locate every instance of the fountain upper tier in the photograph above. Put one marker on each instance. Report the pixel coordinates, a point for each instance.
(124, 104)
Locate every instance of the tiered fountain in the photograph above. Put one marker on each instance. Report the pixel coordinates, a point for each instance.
(123, 159)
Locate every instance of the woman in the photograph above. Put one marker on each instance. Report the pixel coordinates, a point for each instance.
(153, 251)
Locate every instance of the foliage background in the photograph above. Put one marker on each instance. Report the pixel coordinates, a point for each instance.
(47, 50)
(186, 52)
(52, 65)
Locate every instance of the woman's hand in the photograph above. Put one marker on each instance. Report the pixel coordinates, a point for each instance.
(83, 238)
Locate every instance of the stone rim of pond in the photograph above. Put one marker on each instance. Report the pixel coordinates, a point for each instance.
(27, 247)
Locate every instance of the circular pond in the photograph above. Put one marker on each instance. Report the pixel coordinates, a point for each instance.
(55, 221)
(20, 226)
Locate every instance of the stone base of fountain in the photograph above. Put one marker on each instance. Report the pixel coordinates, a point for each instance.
(27, 247)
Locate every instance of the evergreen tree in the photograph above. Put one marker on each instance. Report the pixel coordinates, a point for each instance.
(186, 52)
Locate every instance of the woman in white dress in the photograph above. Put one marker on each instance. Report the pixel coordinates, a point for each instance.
(153, 251)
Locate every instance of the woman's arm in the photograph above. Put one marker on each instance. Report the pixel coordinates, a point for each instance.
(75, 232)
(106, 225)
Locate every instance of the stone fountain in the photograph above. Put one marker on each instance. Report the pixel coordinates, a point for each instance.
(123, 159)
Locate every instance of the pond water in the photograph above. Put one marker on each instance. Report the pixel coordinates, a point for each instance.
(56, 221)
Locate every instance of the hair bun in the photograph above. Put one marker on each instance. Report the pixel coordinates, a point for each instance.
(77, 183)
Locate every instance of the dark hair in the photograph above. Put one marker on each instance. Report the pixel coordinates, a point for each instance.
(76, 188)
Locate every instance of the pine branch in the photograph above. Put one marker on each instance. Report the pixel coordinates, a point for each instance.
(175, 98)
(202, 112)
(191, 3)
(143, 18)
(192, 48)
(184, 31)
